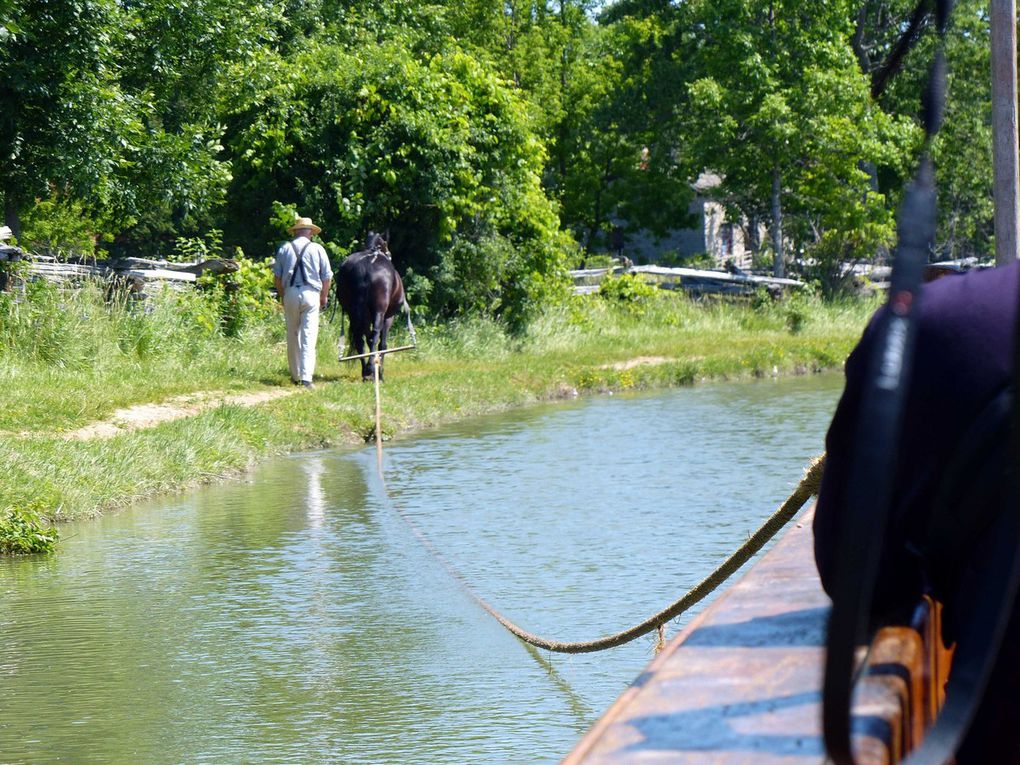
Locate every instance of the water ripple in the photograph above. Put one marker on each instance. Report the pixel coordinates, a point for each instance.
(295, 617)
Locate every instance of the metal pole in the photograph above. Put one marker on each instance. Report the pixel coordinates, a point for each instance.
(1004, 130)
(377, 353)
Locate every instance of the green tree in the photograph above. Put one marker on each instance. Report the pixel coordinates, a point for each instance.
(183, 62)
(438, 153)
(62, 112)
(781, 111)
(598, 101)
(114, 107)
(963, 148)
(962, 151)
(643, 182)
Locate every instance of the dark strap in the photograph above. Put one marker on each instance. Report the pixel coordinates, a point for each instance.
(300, 264)
(863, 524)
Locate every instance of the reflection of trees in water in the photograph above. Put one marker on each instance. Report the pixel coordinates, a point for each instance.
(315, 497)
(84, 668)
(23, 580)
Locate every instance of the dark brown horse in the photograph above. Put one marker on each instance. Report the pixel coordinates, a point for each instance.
(370, 292)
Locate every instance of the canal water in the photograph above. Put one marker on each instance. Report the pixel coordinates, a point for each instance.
(297, 617)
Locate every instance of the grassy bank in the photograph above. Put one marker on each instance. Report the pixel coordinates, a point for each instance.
(69, 359)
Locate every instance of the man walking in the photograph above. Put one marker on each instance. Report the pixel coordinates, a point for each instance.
(302, 275)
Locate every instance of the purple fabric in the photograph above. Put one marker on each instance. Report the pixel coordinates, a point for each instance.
(963, 358)
(964, 346)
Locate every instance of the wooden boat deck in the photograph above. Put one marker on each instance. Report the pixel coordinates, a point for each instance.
(742, 683)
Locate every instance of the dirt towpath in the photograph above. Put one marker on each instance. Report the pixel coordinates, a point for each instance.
(143, 416)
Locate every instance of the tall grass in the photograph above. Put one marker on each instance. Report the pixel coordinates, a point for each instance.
(673, 321)
(71, 356)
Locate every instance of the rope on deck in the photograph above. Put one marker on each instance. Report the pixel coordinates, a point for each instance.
(807, 488)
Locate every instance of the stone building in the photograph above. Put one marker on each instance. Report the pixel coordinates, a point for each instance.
(711, 233)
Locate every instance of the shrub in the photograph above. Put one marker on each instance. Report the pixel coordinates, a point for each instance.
(198, 248)
(243, 296)
(60, 227)
(628, 289)
(442, 154)
(23, 532)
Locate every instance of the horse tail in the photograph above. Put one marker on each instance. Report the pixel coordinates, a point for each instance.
(342, 342)
(406, 308)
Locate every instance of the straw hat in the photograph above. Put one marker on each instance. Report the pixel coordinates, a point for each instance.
(304, 223)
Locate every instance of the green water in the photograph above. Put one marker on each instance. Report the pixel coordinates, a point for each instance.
(296, 617)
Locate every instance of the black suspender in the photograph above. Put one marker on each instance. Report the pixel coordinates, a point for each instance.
(299, 264)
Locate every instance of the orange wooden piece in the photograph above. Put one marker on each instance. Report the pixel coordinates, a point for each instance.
(742, 682)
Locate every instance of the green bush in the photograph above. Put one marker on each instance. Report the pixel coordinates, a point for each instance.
(243, 296)
(470, 275)
(198, 248)
(596, 260)
(702, 260)
(628, 289)
(442, 154)
(23, 532)
(60, 227)
(238, 298)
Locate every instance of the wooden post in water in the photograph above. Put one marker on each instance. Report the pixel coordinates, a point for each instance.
(378, 415)
(1004, 130)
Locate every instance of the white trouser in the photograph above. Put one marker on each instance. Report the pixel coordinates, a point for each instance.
(301, 309)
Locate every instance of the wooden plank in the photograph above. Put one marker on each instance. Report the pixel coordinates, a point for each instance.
(719, 276)
(159, 274)
(692, 280)
(742, 683)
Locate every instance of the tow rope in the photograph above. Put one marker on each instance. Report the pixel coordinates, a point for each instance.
(806, 488)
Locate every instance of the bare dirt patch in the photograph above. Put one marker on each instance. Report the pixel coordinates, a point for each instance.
(639, 361)
(143, 416)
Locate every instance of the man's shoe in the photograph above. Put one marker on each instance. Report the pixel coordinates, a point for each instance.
(308, 384)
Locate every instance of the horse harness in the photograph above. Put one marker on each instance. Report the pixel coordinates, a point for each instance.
(377, 251)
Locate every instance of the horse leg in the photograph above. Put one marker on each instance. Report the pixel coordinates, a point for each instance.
(378, 338)
(358, 341)
(384, 342)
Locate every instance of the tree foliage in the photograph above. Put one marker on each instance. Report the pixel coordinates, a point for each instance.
(781, 110)
(62, 114)
(440, 154)
(495, 141)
